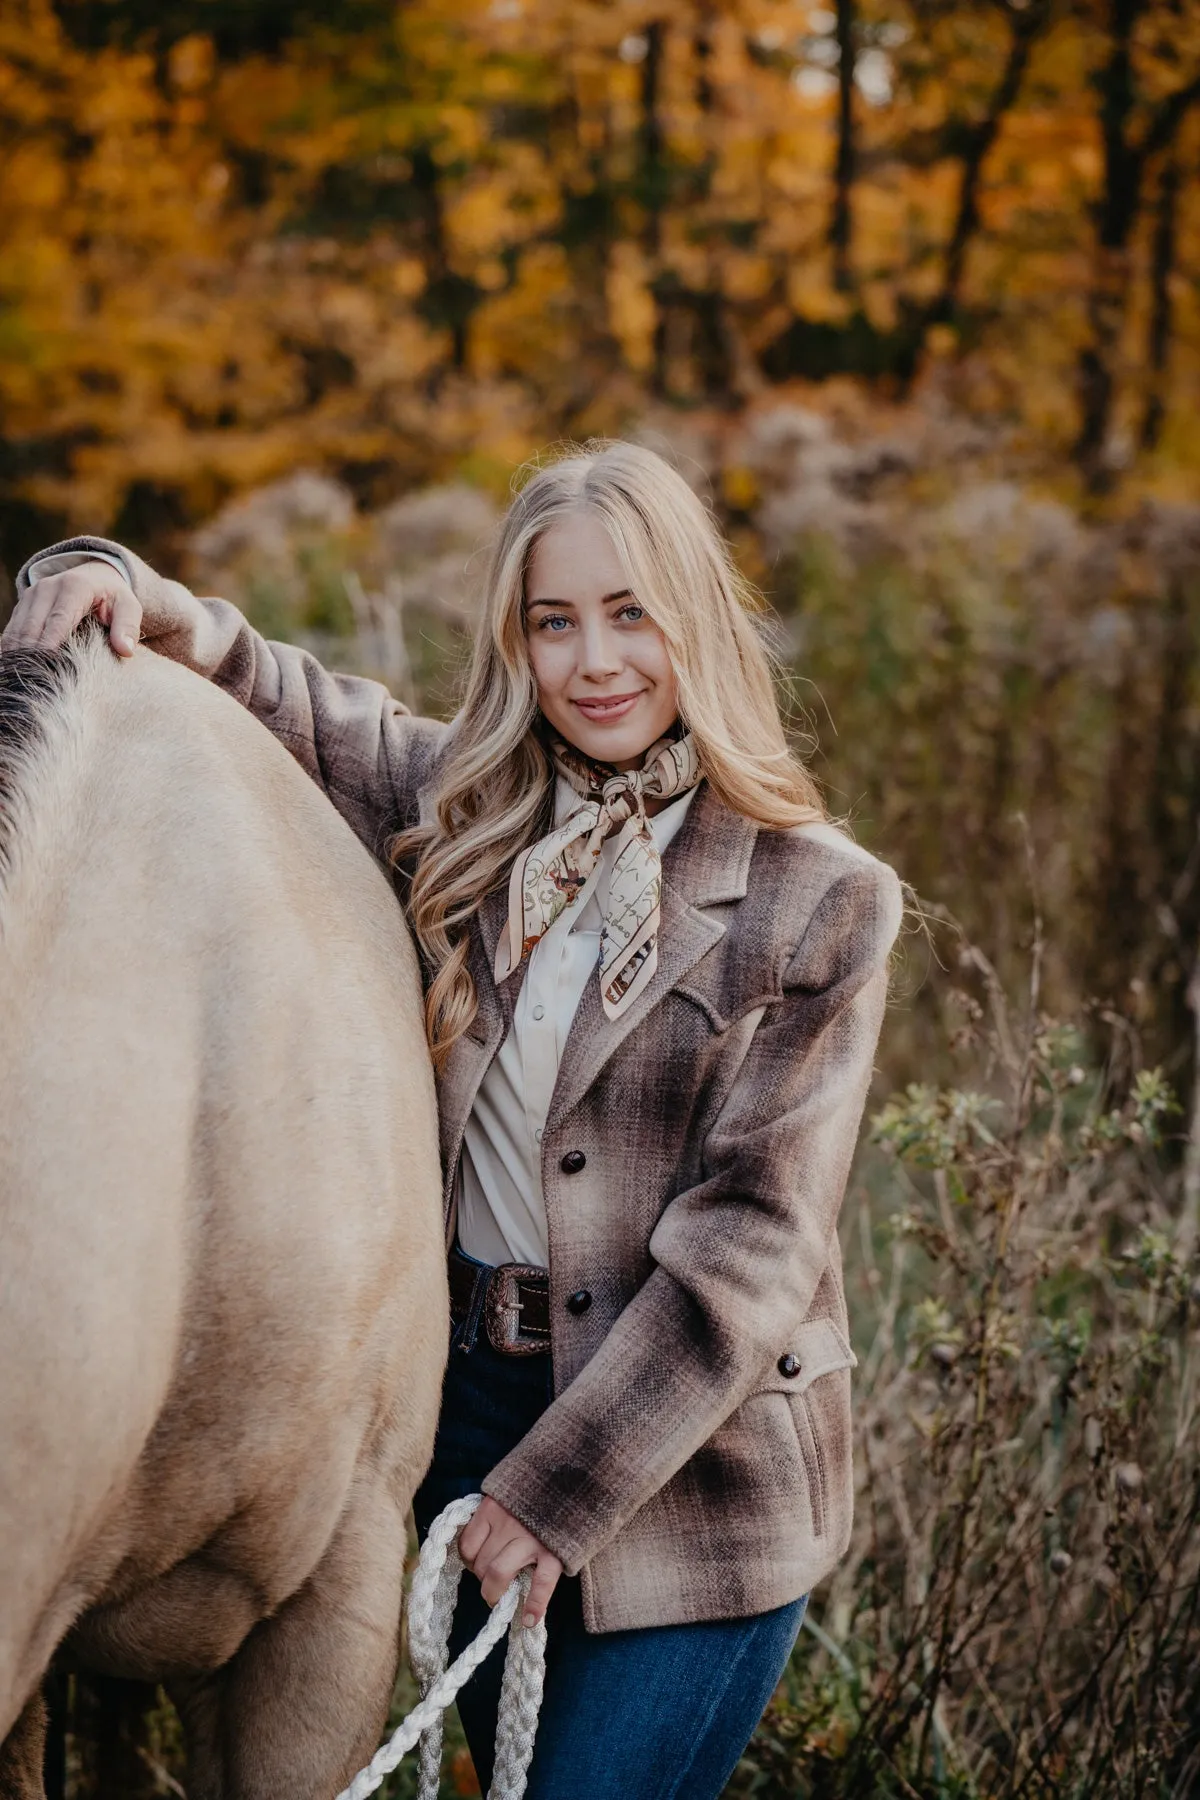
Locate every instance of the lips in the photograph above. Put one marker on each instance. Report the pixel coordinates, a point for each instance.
(611, 706)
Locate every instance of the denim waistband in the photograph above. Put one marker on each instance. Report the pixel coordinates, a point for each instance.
(456, 1249)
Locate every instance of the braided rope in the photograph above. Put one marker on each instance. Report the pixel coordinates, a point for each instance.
(430, 1613)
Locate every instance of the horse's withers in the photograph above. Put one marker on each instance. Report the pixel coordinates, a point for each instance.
(222, 1291)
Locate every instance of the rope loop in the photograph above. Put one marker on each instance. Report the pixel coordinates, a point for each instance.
(430, 1614)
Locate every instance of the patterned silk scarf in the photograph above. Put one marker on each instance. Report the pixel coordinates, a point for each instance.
(547, 877)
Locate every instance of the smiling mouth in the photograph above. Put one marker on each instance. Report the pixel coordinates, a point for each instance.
(612, 706)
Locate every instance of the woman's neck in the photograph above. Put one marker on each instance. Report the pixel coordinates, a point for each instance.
(654, 803)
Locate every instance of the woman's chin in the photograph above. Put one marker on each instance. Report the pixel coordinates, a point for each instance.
(623, 741)
(615, 743)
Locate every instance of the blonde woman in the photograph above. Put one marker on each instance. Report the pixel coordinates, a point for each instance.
(656, 973)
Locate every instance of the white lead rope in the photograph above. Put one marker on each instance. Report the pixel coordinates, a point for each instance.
(430, 1613)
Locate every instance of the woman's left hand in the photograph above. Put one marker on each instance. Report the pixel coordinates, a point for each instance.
(496, 1547)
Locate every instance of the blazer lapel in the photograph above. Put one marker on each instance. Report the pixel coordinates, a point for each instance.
(493, 911)
(495, 1002)
(468, 1061)
(707, 864)
(471, 1054)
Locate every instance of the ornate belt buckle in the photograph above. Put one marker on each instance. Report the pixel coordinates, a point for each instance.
(502, 1311)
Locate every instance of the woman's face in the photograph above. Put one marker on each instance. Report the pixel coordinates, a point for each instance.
(604, 679)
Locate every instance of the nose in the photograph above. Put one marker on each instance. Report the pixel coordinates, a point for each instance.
(600, 655)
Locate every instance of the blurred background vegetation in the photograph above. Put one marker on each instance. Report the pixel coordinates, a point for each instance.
(910, 291)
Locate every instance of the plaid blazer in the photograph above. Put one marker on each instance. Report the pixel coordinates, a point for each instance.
(696, 1460)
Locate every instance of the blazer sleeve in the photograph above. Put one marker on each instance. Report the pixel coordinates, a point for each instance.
(364, 748)
(738, 1256)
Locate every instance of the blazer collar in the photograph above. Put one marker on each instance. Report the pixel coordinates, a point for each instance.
(706, 864)
(708, 861)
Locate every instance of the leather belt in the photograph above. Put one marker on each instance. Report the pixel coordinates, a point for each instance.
(514, 1303)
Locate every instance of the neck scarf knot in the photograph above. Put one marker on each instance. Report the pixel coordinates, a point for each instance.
(547, 877)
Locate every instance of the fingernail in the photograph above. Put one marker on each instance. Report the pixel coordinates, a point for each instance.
(529, 1619)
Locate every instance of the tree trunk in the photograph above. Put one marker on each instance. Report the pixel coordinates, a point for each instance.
(651, 160)
(587, 233)
(1161, 320)
(841, 222)
(1027, 25)
(1114, 214)
(448, 299)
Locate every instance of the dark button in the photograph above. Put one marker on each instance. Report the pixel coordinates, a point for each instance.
(788, 1365)
(573, 1161)
(579, 1301)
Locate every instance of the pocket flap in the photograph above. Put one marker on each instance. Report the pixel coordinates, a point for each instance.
(820, 1347)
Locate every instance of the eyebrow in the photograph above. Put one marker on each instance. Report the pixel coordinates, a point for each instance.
(621, 594)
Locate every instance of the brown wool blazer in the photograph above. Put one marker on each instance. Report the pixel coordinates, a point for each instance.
(681, 1470)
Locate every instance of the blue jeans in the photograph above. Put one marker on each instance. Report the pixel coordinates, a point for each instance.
(662, 1713)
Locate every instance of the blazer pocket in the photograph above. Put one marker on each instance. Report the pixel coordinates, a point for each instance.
(816, 1349)
(722, 1008)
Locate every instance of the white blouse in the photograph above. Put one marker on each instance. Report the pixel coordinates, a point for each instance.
(501, 1212)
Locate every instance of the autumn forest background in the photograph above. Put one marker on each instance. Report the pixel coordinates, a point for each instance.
(910, 291)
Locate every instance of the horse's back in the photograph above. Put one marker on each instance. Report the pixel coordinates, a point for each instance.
(223, 1291)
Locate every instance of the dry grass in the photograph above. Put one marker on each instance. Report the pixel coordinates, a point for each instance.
(1019, 1614)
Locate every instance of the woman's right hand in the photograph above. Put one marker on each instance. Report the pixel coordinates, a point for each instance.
(48, 612)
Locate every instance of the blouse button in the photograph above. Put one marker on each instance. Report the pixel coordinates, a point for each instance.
(788, 1365)
(573, 1161)
(537, 1136)
(579, 1301)
(539, 1012)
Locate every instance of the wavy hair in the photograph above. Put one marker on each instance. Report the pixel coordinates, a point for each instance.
(495, 780)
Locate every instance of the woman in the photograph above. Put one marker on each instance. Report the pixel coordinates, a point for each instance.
(656, 974)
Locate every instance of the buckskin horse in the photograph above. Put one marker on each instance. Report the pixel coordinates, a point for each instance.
(223, 1315)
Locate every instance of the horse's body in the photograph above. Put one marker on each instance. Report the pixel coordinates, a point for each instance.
(222, 1285)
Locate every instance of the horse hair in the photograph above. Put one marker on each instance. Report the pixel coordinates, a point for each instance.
(31, 681)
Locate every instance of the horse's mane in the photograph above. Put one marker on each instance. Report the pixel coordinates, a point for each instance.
(33, 687)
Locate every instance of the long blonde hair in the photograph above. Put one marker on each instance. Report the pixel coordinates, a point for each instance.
(495, 780)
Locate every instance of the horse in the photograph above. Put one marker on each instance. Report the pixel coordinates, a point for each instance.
(223, 1307)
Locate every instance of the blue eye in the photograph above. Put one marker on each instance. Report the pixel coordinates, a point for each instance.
(549, 619)
(637, 612)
